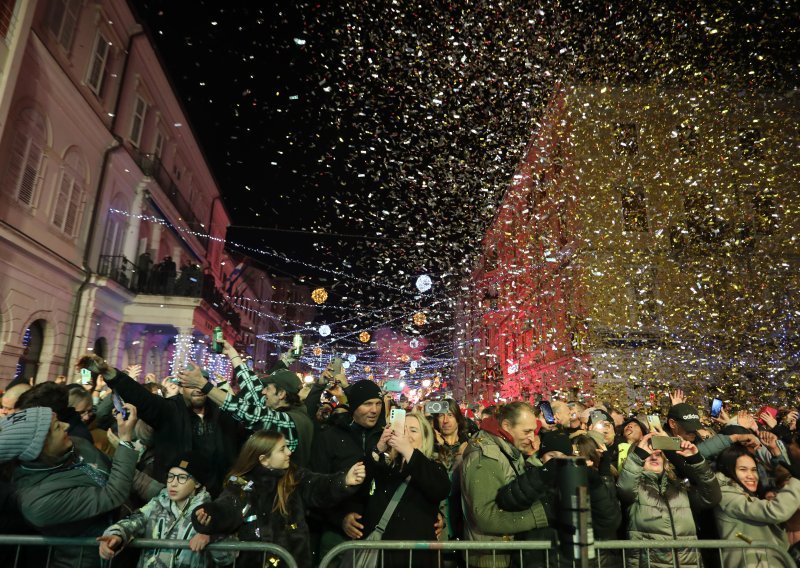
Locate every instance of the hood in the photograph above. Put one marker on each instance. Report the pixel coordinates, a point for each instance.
(491, 426)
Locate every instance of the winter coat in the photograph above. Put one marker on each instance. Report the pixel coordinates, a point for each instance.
(337, 448)
(661, 508)
(756, 519)
(177, 429)
(246, 509)
(490, 462)
(415, 515)
(75, 498)
(161, 519)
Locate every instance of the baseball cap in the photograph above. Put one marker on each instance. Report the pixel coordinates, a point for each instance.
(283, 380)
(686, 416)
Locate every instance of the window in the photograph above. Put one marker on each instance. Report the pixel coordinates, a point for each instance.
(116, 226)
(626, 136)
(7, 8)
(634, 209)
(32, 342)
(63, 19)
(137, 122)
(158, 147)
(97, 63)
(69, 200)
(27, 155)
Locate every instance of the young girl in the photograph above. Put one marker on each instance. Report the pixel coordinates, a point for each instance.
(266, 497)
(168, 517)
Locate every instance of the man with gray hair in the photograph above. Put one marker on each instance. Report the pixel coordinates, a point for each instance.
(10, 397)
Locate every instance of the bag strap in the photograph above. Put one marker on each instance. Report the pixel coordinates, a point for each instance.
(387, 514)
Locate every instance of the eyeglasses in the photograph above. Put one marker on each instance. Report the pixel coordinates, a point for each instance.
(180, 477)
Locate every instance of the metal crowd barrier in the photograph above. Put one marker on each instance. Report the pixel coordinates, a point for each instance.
(267, 549)
(608, 553)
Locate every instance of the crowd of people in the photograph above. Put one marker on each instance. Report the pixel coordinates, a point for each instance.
(306, 466)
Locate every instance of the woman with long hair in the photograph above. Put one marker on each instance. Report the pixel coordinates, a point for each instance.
(745, 510)
(266, 496)
(406, 457)
(661, 506)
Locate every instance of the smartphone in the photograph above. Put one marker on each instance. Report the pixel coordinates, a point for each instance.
(86, 377)
(397, 418)
(716, 408)
(654, 422)
(668, 443)
(436, 407)
(118, 405)
(336, 366)
(547, 412)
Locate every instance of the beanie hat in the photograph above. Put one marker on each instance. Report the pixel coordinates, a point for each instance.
(360, 392)
(23, 433)
(193, 463)
(555, 441)
(645, 430)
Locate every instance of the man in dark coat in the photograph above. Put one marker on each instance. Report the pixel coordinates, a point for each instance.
(350, 439)
(180, 423)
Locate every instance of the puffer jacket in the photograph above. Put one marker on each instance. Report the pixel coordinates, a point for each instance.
(756, 519)
(75, 498)
(161, 519)
(661, 508)
(245, 508)
(490, 463)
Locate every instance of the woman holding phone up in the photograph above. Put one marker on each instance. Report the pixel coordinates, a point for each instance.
(404, 457)
(660, 505)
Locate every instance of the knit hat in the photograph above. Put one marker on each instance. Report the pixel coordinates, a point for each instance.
(284, 380)
(555, 441)
(22, 434)
(360, 392)
(193, 463)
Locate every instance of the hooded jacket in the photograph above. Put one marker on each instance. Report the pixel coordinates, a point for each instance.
(757, 519)
(491, 462)
(246, 506)
(161, 519)
(660, 508)
(75, 498)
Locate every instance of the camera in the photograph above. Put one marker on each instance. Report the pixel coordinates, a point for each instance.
(436, 407)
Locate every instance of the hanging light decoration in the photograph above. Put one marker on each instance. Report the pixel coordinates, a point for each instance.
(420, 319)
(324, 330)
(414, 343)
(412, 371)
(364, 337)
(367, 369)
(317, 351)
(351, 358)
(319, 295)
(424, 283)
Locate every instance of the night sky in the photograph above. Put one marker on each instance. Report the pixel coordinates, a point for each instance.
(394, 127)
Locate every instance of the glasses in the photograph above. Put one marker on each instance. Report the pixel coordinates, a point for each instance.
(181, 478)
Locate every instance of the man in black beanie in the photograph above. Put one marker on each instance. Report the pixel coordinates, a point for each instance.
(350, 439)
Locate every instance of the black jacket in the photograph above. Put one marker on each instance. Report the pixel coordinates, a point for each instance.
(177, 429)
(337, 449)
(415, 515)
(247, 510)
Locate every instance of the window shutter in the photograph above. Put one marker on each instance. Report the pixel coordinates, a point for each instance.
(62, 201)
(71, 222)
(98, 64)
(30, 172)
(71, 14)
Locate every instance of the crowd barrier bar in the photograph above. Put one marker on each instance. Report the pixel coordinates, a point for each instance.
(520, 547)
(265, 548)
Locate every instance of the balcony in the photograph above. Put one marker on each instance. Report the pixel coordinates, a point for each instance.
(151, 166)
(164, 279)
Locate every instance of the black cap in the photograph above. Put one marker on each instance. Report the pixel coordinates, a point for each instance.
(283, 379)
(555, 441)
(686, 416)
(193, 463)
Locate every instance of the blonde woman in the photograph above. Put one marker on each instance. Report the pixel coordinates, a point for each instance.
(406, 457)
(266, 497)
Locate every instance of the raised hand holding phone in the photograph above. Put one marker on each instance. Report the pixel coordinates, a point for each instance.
(397, 418)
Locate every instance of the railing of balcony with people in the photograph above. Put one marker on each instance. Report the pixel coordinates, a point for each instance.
(151, 166)
(165, 279)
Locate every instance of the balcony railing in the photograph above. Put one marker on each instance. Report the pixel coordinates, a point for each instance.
(151, 166)
(165, 279)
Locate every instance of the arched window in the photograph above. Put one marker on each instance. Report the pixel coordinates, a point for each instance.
(27, 155)
(69, 201)
(28, 364)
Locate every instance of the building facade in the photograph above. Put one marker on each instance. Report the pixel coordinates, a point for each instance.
(647, 240)
(112, 226)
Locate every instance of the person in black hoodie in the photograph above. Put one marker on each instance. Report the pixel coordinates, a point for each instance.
(180, 423)
(350, 439)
